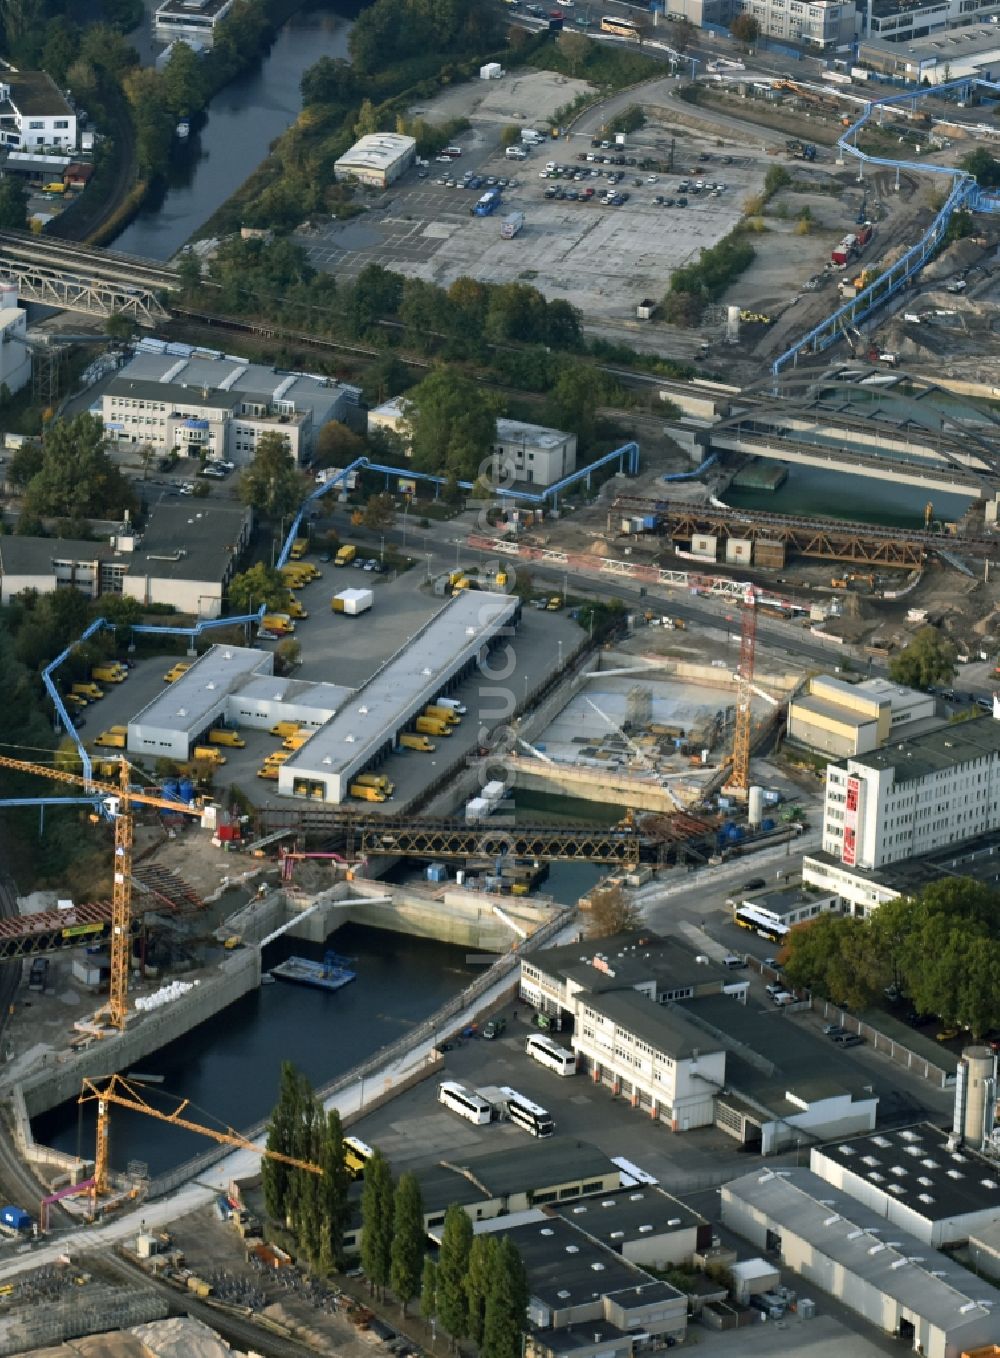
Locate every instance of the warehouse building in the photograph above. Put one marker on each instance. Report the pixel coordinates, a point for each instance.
(184, 557)
(790, 906)
(967, 51)
(502, 1183)
(886, 1275)
(843, 720)
(215, 407)
(914, 797)
(919, 1179)
(643, 1224)
(860, 891)
(455, 641)
(168, 726)
(377, 160)
(584, 1299)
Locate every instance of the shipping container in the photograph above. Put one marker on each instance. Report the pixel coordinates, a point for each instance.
(352, 602)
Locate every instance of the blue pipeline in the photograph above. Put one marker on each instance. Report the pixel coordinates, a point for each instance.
(691, 476)
(965, 193)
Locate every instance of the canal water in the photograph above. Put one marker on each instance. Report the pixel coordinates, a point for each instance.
(229, 1067)
(241, 122)
(815, 493)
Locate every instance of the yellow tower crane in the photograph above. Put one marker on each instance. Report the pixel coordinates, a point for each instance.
(119, 800)
(120, 1092)
(739, 780)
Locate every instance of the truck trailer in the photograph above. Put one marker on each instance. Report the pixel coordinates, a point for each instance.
(511, 225)
(352, 601)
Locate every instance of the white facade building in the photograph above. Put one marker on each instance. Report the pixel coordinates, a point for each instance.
(533, 453)
(15, 357)
(377, 160)
(176, 718)
(215, 407)
(914, 797)
(193, 21)
(842, 719)
(822, 24)
(882, 1272)
(34, 113)
(184, 557)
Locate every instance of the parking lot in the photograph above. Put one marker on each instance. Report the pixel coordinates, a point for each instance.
(600, 257)
(346, 651)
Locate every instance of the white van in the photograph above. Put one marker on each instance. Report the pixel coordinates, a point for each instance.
(453, 703)
(516, 153)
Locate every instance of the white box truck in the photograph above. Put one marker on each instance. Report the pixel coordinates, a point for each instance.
(511, 225)
(353, 601)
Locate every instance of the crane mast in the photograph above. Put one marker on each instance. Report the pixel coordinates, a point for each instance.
(739, 782)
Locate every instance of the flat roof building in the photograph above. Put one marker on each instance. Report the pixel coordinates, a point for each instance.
(897, 21)
(915, 796)
(193, 21)
(216, 406)
(168, 726)
(860, 891)
(644, 1224)
(184, 556)
(842, 719)
(533, 453)
(377, 160)
(942, 55)
(913, 1177)
(450, 645)
(882, 1272)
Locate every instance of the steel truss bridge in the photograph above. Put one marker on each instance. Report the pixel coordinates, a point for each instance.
(407, 837)
(964, 194)
(79, 278)
(830, 539)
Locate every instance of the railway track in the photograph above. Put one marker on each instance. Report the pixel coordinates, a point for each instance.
(84, 261)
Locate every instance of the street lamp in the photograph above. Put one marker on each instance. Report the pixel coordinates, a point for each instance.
(381, 549)
(406, 507)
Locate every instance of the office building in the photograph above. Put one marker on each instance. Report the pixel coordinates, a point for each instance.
(896, 21)
(860, 891)
(213, 407)
(823, 25)
(664, 1028)
(946, 54)
(34, 113)
(377, 160)
(840, 719)
(888, 1276)
(184, 557)
(192, 21)
(914, 797)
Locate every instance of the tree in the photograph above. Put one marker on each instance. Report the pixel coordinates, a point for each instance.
(929, 659)
(275, 1176)
(833, 956)
(983, 166)
(506, 1306)
(574, 399)
(612, 913)
(379, 513)
(77, 477)
(13, 204)
(484, 1260)
(407, 1254)
(510, 135)
(184, 87)
(334, 1186)
(118, 326)
(453, 1262)
(377, 1222)
(258, 585)
(574, 48)
(453, 424)
(367, 122)
(289, 652)
(25, 464)
(272, 483)
(67, 756)
(428, 1289)
(745, 29)
(337, 446)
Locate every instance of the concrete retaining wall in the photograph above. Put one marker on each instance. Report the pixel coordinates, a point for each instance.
(60, 1076)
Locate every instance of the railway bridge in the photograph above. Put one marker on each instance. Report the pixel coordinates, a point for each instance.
(80, 278)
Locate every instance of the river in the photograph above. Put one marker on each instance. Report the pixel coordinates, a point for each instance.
(241, 122)
(814, 492)
(229, 1067)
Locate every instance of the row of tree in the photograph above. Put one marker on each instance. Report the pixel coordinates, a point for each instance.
(694, 285)
(477, 1289)
(940, 949)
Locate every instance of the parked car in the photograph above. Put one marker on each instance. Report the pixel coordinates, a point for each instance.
(833, 1029)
